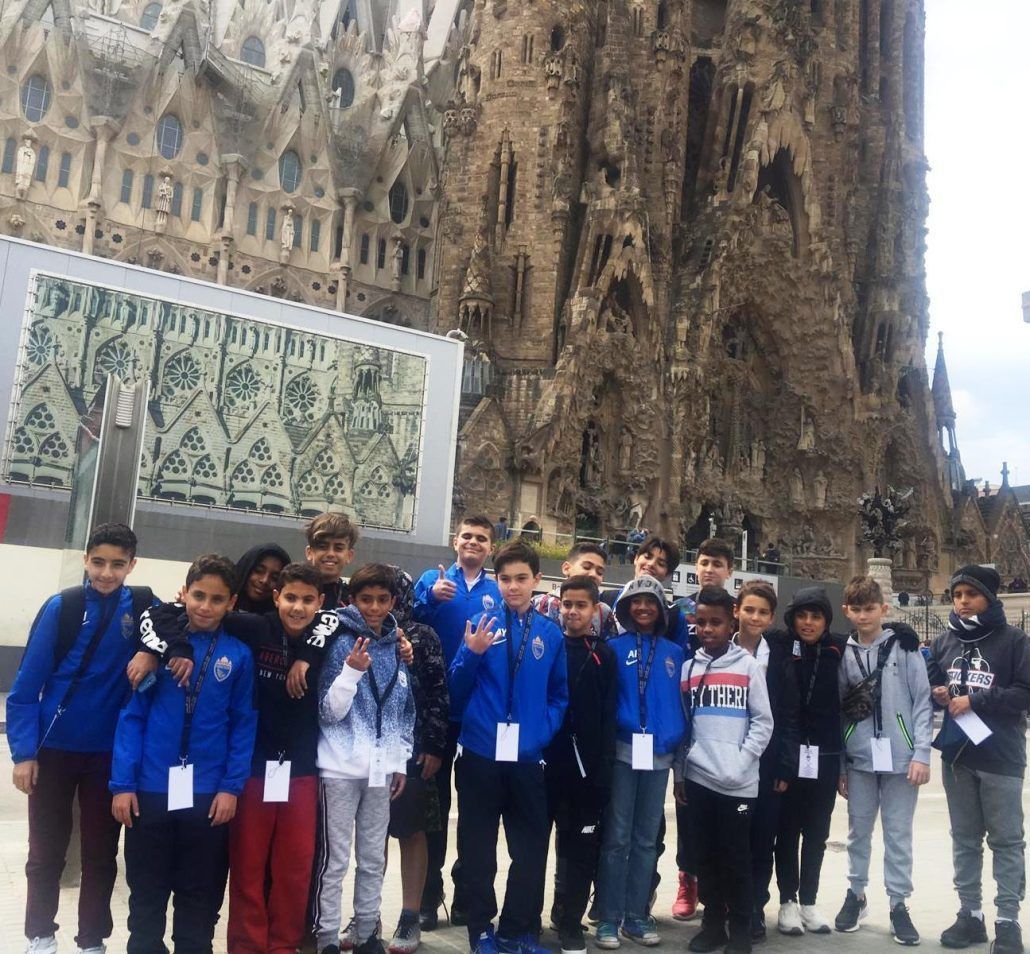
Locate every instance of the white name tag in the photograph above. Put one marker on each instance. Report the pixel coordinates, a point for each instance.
(973, 726)
(643, 751)
(808, 762)
(507, 742)
(883, 760)
(180, 787)
(277, 781)
(377, 768)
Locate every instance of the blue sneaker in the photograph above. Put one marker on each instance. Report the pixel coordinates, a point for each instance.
(523, 944)
(606, 935)
(486, 943)
(641, 930)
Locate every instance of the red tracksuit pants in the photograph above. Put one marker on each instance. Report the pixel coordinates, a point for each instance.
(271, 851)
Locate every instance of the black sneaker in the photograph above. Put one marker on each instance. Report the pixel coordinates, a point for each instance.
(372, 945)
(851, 912)
(711, 937)
(428, 919)
(902, 928)
(965, 931)
(571, 941)
(740, 939)
(1008, 939)
(330, 949)
(758, 927)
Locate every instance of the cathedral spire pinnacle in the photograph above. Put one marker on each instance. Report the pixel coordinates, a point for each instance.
(942, 403)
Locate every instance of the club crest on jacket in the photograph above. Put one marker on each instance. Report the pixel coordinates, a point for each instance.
(223, 666)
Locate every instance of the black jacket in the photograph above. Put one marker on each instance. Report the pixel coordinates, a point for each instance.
(590, 716)
(994, 671)
(780, 759)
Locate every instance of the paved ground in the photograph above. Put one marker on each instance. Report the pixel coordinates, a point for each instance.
(933, 905)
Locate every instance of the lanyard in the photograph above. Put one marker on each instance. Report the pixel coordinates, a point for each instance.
(380, 700)
(191, 702)
(515, 664)
(813, 677)
(643, 675)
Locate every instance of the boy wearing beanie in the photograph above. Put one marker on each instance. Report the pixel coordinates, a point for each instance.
(980, 670)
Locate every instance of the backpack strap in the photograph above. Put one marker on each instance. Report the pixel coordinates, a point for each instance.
(69, 623)
(142, 600)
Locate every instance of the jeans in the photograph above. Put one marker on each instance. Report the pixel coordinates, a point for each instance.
(628, 850)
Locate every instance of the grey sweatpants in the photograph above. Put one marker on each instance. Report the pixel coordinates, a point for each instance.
(983, 803)
(351, 811)
(893, 797)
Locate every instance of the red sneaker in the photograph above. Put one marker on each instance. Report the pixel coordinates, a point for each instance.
(685, 906)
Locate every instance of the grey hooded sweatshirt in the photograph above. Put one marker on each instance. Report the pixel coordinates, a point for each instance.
(904, 701)
(731, 723)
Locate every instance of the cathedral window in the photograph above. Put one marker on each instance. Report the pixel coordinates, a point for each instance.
(405, 258)
(40, 419)
(169, 136)
(638, 21)
(205, 469)
(64, 170)
(420, 264)
(315, 235)
(381, 253)
(42, 163)
(242, 386)
(126, 193)
(272, 479)
(886, 26)
(54, 447)
(36, 95)
(252, 213)
(177, 199)
(24, 445)
(244, 474)
(193, 441)
(253, 51)
(343, 80)
(40, 347)
(289, 171)
(181, 374)
(148, 191)
(348, 16)
(335, 488)
(309, 485)
(261, 452)
(557, 39)
(7, 165)
(363, 250)
(298, 230)
(495, 64)
(398, 202)
(324, 462)
(149, 17)
(114, 358)
(270, 224)
(174, 466)
(300, 395)
(527, 48)
(198, 204)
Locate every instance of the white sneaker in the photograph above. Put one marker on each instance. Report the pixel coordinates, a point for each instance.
(99, 949)
(789, 919)
(42, 945)
(814, 920)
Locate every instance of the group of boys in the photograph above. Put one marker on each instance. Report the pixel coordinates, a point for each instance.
(564, 710)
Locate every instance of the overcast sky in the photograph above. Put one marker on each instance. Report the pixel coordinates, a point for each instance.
(978, 260)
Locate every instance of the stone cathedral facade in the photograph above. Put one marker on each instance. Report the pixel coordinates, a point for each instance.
(684, 238)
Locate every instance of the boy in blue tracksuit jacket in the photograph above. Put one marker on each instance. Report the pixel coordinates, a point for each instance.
(61, 716)
(181, 758)
(509, 680)
(650, 727)
(446, 599)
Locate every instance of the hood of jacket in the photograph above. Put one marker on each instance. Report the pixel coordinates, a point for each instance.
(642, 586)
(809, 596)
(352, 623)
(404, 607)
(245, 566)
(727, 660)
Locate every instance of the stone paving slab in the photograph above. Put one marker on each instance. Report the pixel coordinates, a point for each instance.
(933, 906)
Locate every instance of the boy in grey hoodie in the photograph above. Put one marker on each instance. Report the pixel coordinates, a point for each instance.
(729, 724)
(887, 718)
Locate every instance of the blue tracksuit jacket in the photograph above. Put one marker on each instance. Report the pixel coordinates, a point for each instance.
(664, 712)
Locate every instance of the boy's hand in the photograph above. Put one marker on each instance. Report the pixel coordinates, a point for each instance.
(444, 589)
(297, 679)
(958, 705)
(397, 785)
(26, 774)
(405, 650)
(842, 786)
(125, 807)
(780, 786)
(941, 695)
(359, 658)
(139, 666)
(430, 765)
(918, 773)
(679, 790)
(481, 638)
(223, 808)
(181, 668)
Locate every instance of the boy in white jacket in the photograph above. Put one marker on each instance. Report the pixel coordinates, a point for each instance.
(729, 724)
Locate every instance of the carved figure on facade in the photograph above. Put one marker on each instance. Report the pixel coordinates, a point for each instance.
(286, 234)
(164, 203)
(25, 165)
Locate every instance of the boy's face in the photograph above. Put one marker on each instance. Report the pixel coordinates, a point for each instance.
(330, 556)
(259, 583)
(714, 628)
(516, 582)
(207, 601)
(374, 603)
(867, 618)
(712, 570)
(107, 566)
(585, 564)
(577, 612)
(644, 610)
(754, 615)
(653, 562)
(968, 600)
(472, 545)
(809, 624)
(297, 604)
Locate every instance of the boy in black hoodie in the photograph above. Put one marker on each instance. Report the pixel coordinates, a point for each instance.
(258, 570)
(808, 802)
(979, 669)
(578, 762)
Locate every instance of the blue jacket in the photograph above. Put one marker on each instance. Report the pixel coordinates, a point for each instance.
(88, 724)
(479, 686)
(146, 743)
(662, 708)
